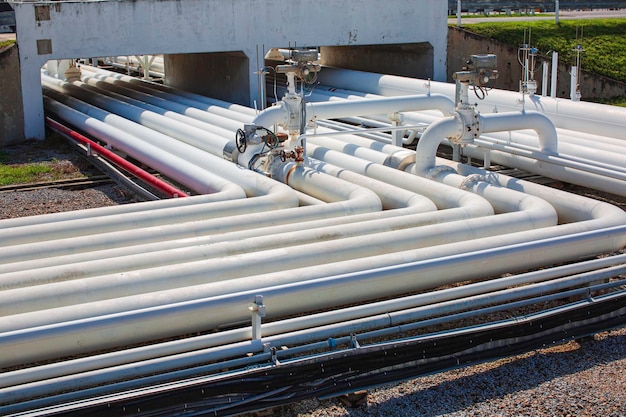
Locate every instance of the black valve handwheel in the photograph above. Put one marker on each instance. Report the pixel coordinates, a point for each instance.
(240, 141)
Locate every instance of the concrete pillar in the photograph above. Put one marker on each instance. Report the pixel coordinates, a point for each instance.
(11, 116)
(222, 75)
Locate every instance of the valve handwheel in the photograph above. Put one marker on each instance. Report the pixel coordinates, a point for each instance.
(240, 141)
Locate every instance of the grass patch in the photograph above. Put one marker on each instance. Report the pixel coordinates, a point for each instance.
(603, 41)
(6, 43)
(22, 173)
(613, 101)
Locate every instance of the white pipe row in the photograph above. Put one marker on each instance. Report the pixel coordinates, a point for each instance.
(90, 289)
(585, 159)
(423, 302)
(578, 116)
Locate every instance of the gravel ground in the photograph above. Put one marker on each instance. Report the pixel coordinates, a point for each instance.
(66, 164)
(585, 378)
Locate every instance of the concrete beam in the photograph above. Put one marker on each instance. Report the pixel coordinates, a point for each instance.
(55, 30)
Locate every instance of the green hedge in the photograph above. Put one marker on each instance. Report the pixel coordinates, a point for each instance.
(603, 41)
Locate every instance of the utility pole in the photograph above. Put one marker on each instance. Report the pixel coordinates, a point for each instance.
(556, 11)
(458, 13)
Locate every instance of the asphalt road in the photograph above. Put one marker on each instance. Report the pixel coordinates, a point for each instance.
(563, 15)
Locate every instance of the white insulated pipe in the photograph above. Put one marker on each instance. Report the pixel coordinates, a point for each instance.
(453, 126)
(175, 167)
(512, 252)
(125, 89)
(581, 116)
(207, 141)
(497, 253)
(211, 105)
(278, 114)
(401, 211)
(274, 330)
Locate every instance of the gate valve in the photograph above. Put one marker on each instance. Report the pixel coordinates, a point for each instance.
(297, 155)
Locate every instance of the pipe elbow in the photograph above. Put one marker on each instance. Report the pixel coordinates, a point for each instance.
(539, 122)
(426, 151)
(277, 114)
(442, 103)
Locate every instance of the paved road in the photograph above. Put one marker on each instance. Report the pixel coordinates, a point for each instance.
(563, 15)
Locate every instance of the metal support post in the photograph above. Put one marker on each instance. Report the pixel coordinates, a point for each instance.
(258, 312)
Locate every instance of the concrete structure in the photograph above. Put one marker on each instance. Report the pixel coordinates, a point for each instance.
(239, 30)
(11, 115)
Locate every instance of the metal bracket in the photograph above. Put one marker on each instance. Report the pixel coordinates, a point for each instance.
(470, 180)
(353, 342)
(257, 309)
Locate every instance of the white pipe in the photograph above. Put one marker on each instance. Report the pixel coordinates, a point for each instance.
(540, 123)
(582, 116)
(425, 154)
(278, 114)
(211, 105)
(401, 207)
(193, 136)
(197, 178)
(544, 79)
(497, 122)
(573, 88)
(216, 124)
(555, 74)
(291, 285)
(571, 164)
(273, 330)
(514, 250)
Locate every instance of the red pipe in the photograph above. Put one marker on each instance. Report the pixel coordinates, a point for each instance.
(118, 160)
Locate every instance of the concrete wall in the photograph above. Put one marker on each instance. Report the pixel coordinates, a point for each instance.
(54, 30)
(11, 114)
(462, 44)
(221, 75)
(408, 60)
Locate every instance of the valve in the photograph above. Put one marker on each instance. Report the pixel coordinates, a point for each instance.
(297, 155)
(479, 71)
(302, 65)
(248, 135)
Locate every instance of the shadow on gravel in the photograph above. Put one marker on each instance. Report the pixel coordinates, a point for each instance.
(451, 392)
(513, 375)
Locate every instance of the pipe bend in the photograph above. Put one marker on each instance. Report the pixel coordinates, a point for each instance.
(539, 122)
(328, 188)
(426, 151)
(277, 114)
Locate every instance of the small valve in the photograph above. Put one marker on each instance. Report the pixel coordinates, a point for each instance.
(297, 155)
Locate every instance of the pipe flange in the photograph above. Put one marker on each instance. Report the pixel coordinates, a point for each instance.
(434, 173)
(400, 163)
(470, 181)
(229, 152)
